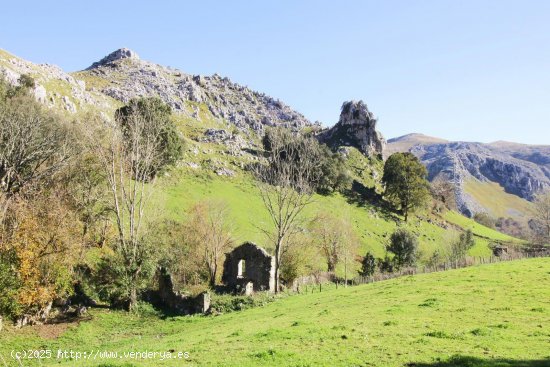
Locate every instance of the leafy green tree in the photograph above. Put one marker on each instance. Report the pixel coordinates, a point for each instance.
(460, 247)
(385, 265)
(333, 175)
(404, 246)
(405, 181)
(155, 116)
(368, 265)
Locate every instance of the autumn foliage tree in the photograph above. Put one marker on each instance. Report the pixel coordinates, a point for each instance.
(334, 238)
(209, 233)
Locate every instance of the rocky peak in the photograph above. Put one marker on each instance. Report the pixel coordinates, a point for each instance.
(224, 100)
(121, 53)
(357, 128)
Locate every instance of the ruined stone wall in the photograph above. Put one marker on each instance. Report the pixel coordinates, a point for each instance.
(179, 303)
(259, 268)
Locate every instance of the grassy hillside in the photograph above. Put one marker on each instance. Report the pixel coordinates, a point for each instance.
(372, 226)
(490, 315)
(498, 203)
(186, 185)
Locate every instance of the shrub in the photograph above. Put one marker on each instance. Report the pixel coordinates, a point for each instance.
(386, 264)
(368, 265)
(229, 303)
(404, 246)
(460, 247)
(485, 220)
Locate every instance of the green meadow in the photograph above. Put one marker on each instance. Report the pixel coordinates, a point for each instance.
(495, 315)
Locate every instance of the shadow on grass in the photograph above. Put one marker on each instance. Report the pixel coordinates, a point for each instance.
(465, 361)
(361, 195)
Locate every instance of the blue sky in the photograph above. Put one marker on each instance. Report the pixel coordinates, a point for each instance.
(462, 70)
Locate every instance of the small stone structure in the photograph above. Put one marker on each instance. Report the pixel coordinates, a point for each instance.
(249, 268)
(180, 303)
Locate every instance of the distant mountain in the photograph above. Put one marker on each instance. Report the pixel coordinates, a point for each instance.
(504, 172)
(406, 142)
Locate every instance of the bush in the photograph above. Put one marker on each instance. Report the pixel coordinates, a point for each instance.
(9, 284)
(114, 280)
(229, 303)
(368, 265)
(485, 220)
(404, 246)
(385, 265)
(460, 247)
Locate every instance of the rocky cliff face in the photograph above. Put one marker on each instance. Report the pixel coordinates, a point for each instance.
(357, 128)
(122, 75)
(520, 170)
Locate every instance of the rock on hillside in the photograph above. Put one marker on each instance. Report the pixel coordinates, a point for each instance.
(122, 75)
(54, 87)
(357, 128)
(521, 172)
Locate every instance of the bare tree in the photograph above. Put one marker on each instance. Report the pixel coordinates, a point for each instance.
(286, 185)
(34, 144)
(335, 239)
(210, 233)
(542, 215)
(129, 158)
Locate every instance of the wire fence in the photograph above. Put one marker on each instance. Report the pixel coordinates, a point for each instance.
(329, 281)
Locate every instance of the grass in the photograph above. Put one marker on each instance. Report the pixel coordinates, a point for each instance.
(491, 195)
(478, 229)
(490, 315)
(248, 215)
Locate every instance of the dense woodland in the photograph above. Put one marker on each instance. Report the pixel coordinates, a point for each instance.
(77, 219)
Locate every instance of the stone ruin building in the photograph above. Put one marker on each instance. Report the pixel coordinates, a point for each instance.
(248, 269)
(179, 303)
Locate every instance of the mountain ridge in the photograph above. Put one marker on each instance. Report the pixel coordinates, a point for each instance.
(519, 169)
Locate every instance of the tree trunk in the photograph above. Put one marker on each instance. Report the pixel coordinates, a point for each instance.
(277, 263)
(133, 298)
(134, 289)
(213, 271)
(346, 273)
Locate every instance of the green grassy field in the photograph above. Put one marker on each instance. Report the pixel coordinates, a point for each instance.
(489, 315)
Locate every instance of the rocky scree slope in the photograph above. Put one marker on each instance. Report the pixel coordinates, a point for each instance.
(54, 87)
(122, 75)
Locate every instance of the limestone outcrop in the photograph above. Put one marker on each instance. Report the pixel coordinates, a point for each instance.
(123, 76)
(121, 53)
(357, 128)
